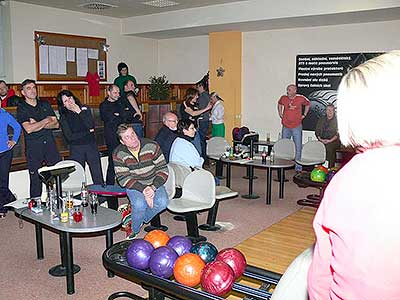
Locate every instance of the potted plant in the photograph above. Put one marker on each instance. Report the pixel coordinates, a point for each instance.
(159, 88)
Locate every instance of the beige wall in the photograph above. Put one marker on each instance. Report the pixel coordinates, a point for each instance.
(139, 53)
(269, 60)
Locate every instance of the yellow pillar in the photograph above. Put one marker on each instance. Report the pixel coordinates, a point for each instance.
(226, 52)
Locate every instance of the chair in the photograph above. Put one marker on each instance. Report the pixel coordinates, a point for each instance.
(180, 172)
(198, 194)
(284, 149)
(313, 153)
(73, 182)
(216, 147)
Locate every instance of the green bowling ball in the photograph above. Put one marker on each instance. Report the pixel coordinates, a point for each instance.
(317, 175)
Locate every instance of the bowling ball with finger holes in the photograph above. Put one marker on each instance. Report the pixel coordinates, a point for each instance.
(162, 261)
(188, 268)
(180, 244)
(217, 278)
(317, 175)
(205, 250)
(157, 238)
(233, 258)
(138, 254)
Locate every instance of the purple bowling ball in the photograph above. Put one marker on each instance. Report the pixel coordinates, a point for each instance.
(180, 244)
(138, 254)
(162, 261)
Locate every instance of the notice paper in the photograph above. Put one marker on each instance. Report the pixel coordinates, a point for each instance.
(57, 60)
(44, 59)
(81, 62)
(70, 54)
(93, 54)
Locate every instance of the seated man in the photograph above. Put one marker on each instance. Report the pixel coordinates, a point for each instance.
(140, 167)
(167, 133)
(326, 132)
(182, 150)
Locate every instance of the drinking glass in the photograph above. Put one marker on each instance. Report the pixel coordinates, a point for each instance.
(94, 202)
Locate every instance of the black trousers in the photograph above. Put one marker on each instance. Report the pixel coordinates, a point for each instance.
(88, 154)
(110, 178)
(5, 194)
(39, 153)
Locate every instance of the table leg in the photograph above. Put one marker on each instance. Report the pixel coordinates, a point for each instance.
(281, 183)
(67, 241)
(269, 183)
(39, 241)
(219, 170)
(228, 174)
(61, 270)
(109, 243)
(251, 177)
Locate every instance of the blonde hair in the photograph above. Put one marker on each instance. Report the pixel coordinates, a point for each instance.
(368, 105)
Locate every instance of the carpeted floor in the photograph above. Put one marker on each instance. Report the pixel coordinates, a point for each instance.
(22, 276)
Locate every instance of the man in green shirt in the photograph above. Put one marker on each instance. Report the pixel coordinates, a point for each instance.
(123, 76)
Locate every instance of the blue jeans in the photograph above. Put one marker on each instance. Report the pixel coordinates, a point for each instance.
(297, 134)
(203, 131)
(197, 142)
(141, 212)
(138, 127)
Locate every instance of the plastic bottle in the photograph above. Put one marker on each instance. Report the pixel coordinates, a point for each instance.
(84, 195)
(264, 157)
(272, 156)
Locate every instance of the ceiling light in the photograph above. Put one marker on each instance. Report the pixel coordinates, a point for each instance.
(160, 3)
(97, 5)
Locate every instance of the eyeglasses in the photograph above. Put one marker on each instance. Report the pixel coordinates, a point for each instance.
(173, 121)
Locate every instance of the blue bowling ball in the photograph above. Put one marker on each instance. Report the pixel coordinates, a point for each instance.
(180, 244)
(162, 261)
(138, 254)
(205, 250)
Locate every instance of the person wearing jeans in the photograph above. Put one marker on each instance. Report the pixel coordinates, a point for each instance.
(140, 167)
(290, 109)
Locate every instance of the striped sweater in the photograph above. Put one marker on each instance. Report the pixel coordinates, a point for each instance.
(150, 169)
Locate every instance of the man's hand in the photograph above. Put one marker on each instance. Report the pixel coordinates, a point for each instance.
(148, 193)
(32, 121)
(11, 144)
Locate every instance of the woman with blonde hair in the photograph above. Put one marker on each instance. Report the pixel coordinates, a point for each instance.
(357, 225)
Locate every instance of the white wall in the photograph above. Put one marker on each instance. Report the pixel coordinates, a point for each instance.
(139, 53)
(269, 60)
(183, 60)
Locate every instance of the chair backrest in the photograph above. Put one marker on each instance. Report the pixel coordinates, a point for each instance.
(247, 138)
(216, 146)
(285, 149)
(74, 180)
(181, 172)
(103, 165)
(170, 183)
(199, 186)
(313, 151)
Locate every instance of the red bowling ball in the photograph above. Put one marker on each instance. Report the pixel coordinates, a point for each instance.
(217, 278)
(235, 259)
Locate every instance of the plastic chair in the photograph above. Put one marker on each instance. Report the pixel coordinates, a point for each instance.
(198, 194)
(285, 149)
(170, 183)
(216, 147)
(180, 172)
(73, 183)
(313, 153)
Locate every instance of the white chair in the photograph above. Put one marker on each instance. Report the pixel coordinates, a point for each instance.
(284, 149)
(73, 182)
(170, 183)
(198, 194)
(313, 153)
(216, 147)
(180, 172)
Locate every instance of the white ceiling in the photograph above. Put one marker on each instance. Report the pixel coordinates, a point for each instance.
(125, 8)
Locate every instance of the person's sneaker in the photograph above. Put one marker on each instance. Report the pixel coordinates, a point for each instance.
(130, 236)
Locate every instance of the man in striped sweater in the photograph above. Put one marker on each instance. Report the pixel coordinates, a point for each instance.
(141, 168)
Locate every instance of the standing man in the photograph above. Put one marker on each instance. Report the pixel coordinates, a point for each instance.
(167, 133)
(140, 167)
(290, 109)
(37, 119)
(204, 119)
(6, 155)
(112, 114)
(326, 132)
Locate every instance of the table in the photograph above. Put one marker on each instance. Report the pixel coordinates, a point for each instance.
(279, 164)
(103, 223)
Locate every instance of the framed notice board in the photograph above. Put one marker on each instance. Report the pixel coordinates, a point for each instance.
(64, 57)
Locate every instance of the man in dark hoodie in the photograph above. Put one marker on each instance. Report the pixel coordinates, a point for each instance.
(123, 76)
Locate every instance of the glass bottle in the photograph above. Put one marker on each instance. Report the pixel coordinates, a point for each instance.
(272, 156)
(264, 157)
(84, 194)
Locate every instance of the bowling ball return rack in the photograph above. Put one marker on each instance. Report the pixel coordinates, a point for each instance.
(161, 288)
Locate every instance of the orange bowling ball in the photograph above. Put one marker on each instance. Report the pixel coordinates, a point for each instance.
(157, 238)
(188, 268)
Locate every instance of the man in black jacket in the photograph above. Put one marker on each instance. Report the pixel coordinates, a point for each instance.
(167, 133)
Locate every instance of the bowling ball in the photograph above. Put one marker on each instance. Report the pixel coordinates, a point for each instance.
(138, 254)
(217, 278)
(180, 244)
(330, 175)
(317, 175)
(322, 168)
(157, 238)
(205, 250)
(162, 261)
(187, 269)
(233, 258)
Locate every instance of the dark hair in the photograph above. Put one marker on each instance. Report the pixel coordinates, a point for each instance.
(2, 81)
(122, 65)
(26, 82)
(204, 81)
(190, 94)
(61, 108)
(183, 124)
(122, 128)
(111, 86)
